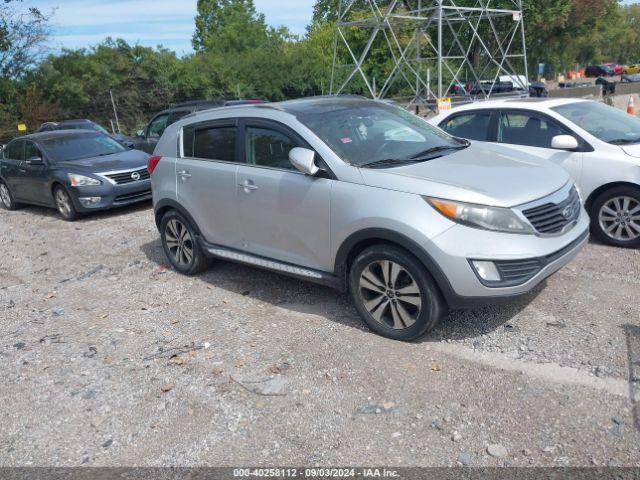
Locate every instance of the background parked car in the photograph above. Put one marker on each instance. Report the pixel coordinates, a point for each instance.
(598, 71)
(73, 171)
(84, 124)
(616, 67)
(630, 69)
(147, 138)
(630, 78)
(597, 144)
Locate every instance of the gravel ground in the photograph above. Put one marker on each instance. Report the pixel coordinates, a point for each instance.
(108, 359)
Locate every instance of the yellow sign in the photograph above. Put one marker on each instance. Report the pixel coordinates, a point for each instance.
(22, 127)
(444, 104)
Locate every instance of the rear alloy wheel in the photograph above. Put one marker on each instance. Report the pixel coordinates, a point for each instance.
(180, 244)
(615, 217)
(6, 199)
(64, 204)
(394, 293)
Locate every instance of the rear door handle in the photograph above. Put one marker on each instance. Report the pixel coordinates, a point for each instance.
(184, 174)
(248, 186)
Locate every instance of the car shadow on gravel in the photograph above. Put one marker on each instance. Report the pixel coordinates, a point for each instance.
(94, 216)
(309, 298)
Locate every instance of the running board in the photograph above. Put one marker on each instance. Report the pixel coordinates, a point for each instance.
(315, 276)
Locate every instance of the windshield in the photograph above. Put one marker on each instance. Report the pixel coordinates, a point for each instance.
(603, 122)
(72, 147)
(372, 133)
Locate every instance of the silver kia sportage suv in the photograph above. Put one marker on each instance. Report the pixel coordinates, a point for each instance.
(365, 197)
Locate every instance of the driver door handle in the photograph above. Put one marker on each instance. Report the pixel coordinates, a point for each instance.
(248, 186)
(184, 174)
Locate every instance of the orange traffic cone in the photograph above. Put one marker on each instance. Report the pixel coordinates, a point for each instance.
(631, 108)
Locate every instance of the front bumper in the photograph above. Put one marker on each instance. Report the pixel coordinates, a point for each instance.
(529, 259)
(111, 196)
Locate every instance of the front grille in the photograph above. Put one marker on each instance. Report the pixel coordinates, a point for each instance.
(552, 218)
(129, 197)
(128, 177)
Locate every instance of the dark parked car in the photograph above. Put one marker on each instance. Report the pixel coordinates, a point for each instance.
(485, 87)
(74, 171)
(593, 71)
(84, 124)
(147, 138)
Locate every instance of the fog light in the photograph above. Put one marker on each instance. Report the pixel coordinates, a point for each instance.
(89, 201)
(487, 270)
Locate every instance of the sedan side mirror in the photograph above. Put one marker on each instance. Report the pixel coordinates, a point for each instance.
(304, 160)
(35, 161)
(564, 142)
(140, 134)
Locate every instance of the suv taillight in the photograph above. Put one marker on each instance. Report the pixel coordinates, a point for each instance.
(153, 163)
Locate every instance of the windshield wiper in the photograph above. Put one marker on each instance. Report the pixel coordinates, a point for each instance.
(388, 162)
(624, 141)
(431, 151)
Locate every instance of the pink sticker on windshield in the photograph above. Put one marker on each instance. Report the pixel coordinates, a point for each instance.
(346, 140)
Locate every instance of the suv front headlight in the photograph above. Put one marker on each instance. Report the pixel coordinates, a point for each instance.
(82, 181)
(485, 217)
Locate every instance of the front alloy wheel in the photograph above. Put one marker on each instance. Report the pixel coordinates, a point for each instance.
(64, 204)
(392, 296)
(615, 217)
(6, 198)
(394, 293)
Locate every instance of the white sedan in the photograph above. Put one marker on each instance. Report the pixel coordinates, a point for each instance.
(597, 144)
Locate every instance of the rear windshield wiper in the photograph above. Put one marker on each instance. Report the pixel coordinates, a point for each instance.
(443, 148)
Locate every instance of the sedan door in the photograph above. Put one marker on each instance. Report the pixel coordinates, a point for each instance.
(283, 214)
(12, 163)
(533, 132)
(34, 176)
(206, 179)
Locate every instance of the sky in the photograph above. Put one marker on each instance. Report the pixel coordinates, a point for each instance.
(81, 23)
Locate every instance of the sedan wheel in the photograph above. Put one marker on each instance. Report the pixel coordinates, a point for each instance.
(179, 242)
(5, 196)
(64, 204)
(391, 295)
(619, 219)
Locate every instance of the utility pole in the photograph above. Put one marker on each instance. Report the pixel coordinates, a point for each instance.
(115, 112)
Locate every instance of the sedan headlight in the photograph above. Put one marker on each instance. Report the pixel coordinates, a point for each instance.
(82, 181)
(481, 216)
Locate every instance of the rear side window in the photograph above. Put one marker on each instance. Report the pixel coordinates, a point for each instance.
(527, 129)
(15, 151)
(473, 126)
(211, 143)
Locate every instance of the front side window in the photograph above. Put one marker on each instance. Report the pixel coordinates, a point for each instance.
(80, 145)
(31, 151)
(365, 133)
(519, 128)
(157, 126)
(473, 126)
(603, 122)
(268, 148)
(211, 143)
(15, 151)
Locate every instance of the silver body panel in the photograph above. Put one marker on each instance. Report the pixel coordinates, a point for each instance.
(304, 221)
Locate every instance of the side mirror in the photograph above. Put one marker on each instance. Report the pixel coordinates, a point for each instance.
(35, 161)
(564, 142)
(140, 134)
(304, 160)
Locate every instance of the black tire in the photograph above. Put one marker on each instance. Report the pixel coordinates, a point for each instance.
(395, 308)
(601, 216)
(6, 197)
(64, 204)
(180, 244)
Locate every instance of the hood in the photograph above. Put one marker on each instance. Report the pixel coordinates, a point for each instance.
(484, 173)
(631, 150)
(118, 161)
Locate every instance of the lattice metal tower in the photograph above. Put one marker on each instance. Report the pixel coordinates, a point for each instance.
(420, 49)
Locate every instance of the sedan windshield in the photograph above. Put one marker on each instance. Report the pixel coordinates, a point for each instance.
(603, 122)
(379, 134)
(77, 146)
